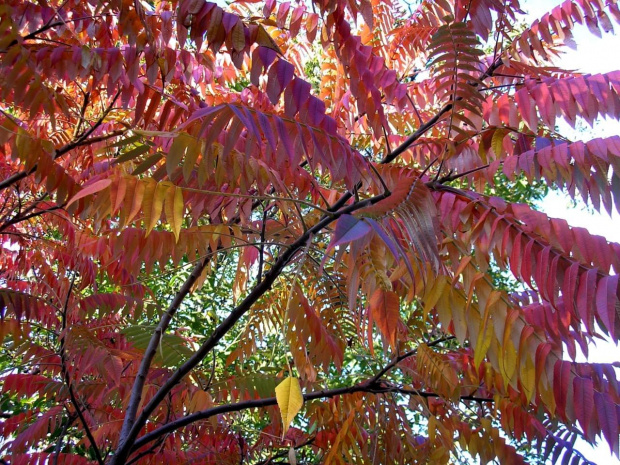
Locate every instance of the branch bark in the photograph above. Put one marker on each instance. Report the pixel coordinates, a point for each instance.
(365, 386)
(151, 350)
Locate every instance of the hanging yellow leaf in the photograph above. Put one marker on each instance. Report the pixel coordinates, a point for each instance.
(486, 330)
(290, 400)
(497, 142)
(174, 210)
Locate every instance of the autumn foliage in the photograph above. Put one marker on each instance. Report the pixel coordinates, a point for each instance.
(199, 205)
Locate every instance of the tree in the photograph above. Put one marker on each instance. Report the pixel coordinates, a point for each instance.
(207, 213)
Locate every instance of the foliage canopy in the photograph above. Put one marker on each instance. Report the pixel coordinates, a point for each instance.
(272, 233)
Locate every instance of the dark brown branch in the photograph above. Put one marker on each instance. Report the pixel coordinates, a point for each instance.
(453, 177)
(151, 350)
(365, 386)
(78, 127)
(20, 218)
(33, 34)
(63, 433)
(416, 135)
(431, 122)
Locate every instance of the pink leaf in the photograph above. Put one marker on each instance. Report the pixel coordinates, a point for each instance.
(89, 190)
(607, 419)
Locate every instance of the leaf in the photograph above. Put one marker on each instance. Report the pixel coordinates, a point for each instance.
(172, 350)
(290, 400)
(148, 163)
(90, 190)
(174, 207)
(606, 410)
(265, 40)
(385, 310)
(153, 202)
(584, 401)
(348, 228)
(133, 153)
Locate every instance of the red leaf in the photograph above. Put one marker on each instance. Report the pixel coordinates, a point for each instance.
(585, 299)
(607, 419)
(384, 307)
(542, 351)
(584, 401)
(561, 378)
(607, 303)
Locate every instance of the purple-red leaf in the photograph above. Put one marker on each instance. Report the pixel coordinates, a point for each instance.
(348, 228)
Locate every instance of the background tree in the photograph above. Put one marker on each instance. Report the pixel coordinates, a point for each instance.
(198, 205)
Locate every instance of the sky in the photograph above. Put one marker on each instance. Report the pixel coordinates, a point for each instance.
(592, 55)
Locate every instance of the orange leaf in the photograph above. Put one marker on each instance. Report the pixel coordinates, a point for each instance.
(89, 190)
(384, 306)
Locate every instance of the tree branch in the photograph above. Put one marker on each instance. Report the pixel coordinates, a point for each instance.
(20, 218)
(402, 357)
(128, 437)
(365, 386)
(151, 350)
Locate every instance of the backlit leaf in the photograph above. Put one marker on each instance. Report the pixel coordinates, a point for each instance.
(89, 190)
(385, 310)
(290, 400)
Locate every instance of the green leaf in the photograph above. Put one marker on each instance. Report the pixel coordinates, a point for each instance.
(172, 350)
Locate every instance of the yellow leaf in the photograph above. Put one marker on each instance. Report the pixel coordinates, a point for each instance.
(153, 202)
(178, 149)
(135, 201)
(528, 378)
(486, 330)
(459, 317)
(430, 300)
(174, 207)
(432, 424)
(483, 343)
(290, 400)
(508, 356)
